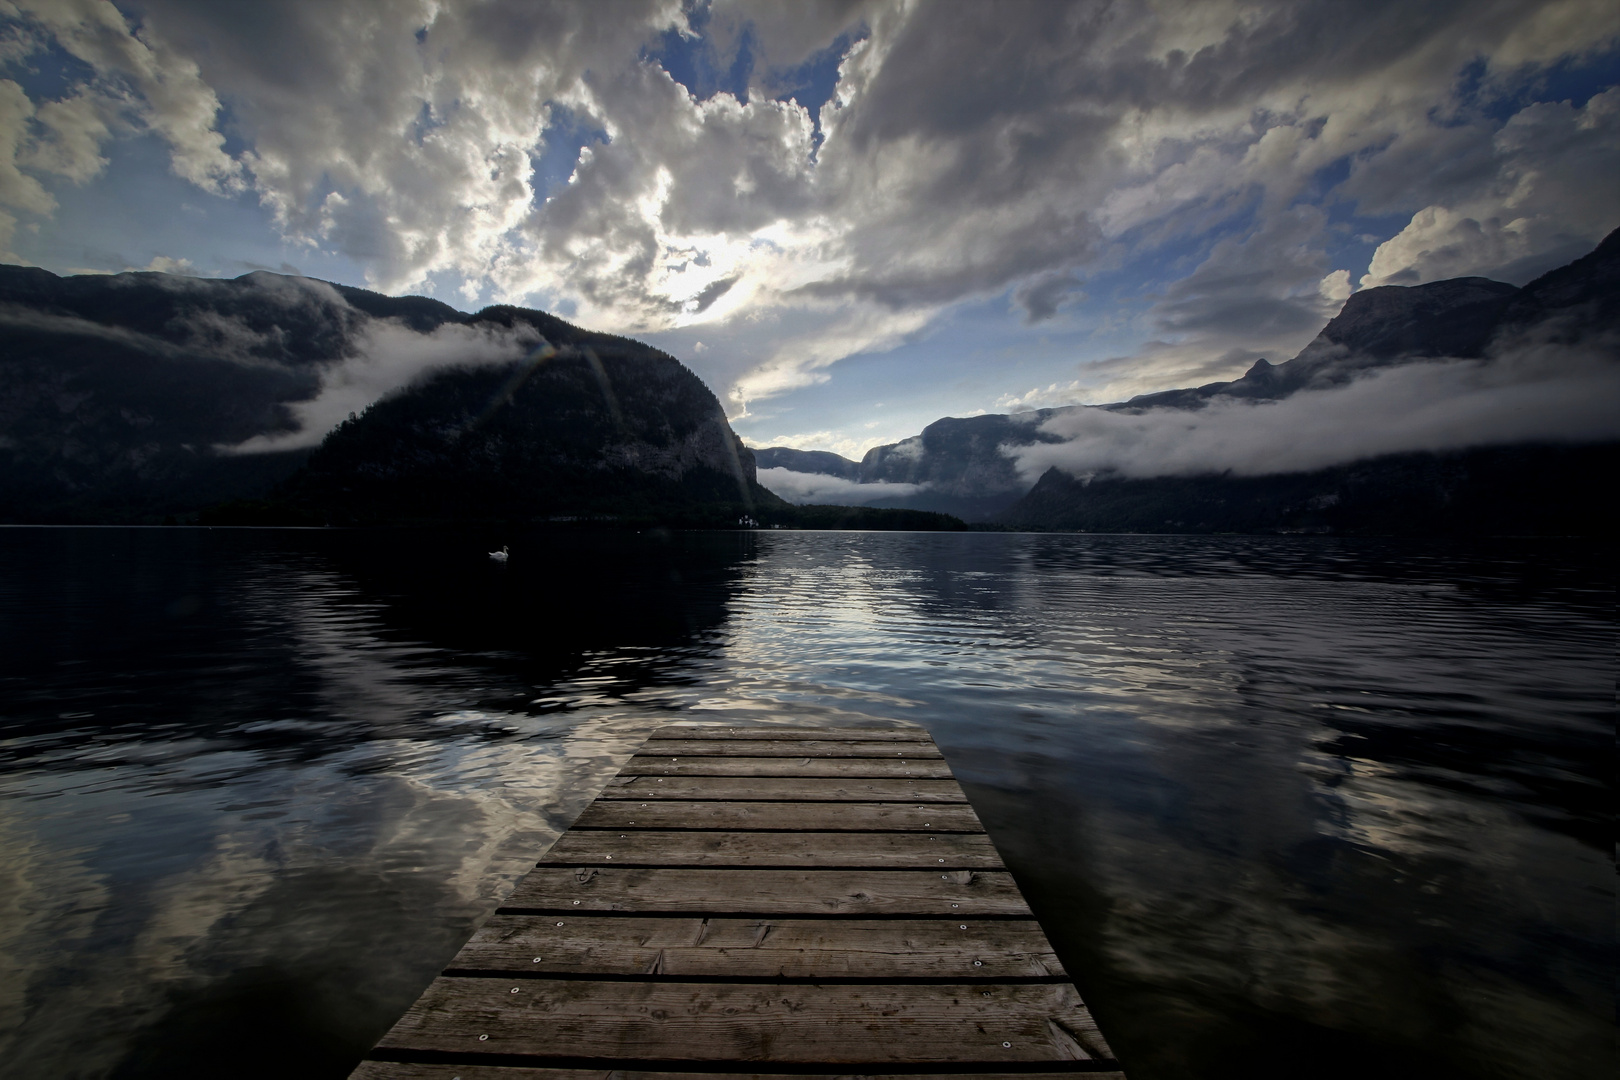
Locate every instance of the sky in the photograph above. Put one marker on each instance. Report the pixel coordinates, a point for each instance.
(849, 217)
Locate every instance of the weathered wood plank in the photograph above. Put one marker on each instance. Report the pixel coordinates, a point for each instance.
(656, 746)
(771, 892)
(782, 789)
(758, 948)
(819, 816)
(388, 1070)
(893, 851)
(682, 731)
(724, 855)
(747, 1022)
(840, 768)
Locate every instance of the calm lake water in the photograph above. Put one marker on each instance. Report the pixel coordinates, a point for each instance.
(1286, 806)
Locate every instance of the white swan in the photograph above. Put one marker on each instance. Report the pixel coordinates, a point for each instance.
(501, 555)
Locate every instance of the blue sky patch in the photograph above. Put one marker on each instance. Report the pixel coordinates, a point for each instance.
(565, 136)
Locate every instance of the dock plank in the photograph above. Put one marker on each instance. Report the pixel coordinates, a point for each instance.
(819, 816)
(826, 748)
(913, 851)
(761, 948)
(686, 731)
(866, 768)
(389, 1070)
(759, 901)
(750, 1022)
(780, 789)
(770, 892)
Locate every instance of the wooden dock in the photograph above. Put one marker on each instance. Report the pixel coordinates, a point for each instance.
(757, 902)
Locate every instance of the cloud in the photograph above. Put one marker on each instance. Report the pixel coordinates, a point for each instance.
(163, 264)
(1040, 297)
(1534, 392)
(385, 357)
(853, 447)
(1535, 209)
(139, 78)
(1000, 151)
(1055, 395)
(802, 488)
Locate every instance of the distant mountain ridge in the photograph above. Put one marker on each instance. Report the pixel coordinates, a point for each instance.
(966, 472)
(819, 462)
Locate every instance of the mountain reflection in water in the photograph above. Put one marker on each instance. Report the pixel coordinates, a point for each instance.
(1283, 805)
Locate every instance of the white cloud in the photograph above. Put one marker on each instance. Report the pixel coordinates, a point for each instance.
(1537, 210)
(1537, 392)
(138, 76)
(1055, 395)
(164, 264)
(18, 190)
(387, 356)
(1016, 148)
(802, 488)
(842, 443)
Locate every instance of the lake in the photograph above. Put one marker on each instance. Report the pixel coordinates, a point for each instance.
(1284, 805)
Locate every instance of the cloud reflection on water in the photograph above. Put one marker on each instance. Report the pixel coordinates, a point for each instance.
(1276, 801)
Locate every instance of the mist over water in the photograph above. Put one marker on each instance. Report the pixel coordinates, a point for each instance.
(1283, 805)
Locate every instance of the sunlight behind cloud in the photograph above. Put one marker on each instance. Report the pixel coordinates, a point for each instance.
(1209, 162)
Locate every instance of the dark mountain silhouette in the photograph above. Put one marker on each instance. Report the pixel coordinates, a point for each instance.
(820, 462)
(962, 461)
(120, 396)
(1489, 491)
(115, 390)
(958, 458)
(116, 393)
(600, 427)
(1392, 324)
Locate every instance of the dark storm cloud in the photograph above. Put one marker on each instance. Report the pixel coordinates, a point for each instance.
(1039, 298)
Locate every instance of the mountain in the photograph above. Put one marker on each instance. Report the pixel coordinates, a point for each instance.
(1490, 491)
(1392, 324)
(600, 426)
(119, 394)
(956, 460)
(960, 460)
(959, 463)
(116, 390)
(817, 462)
